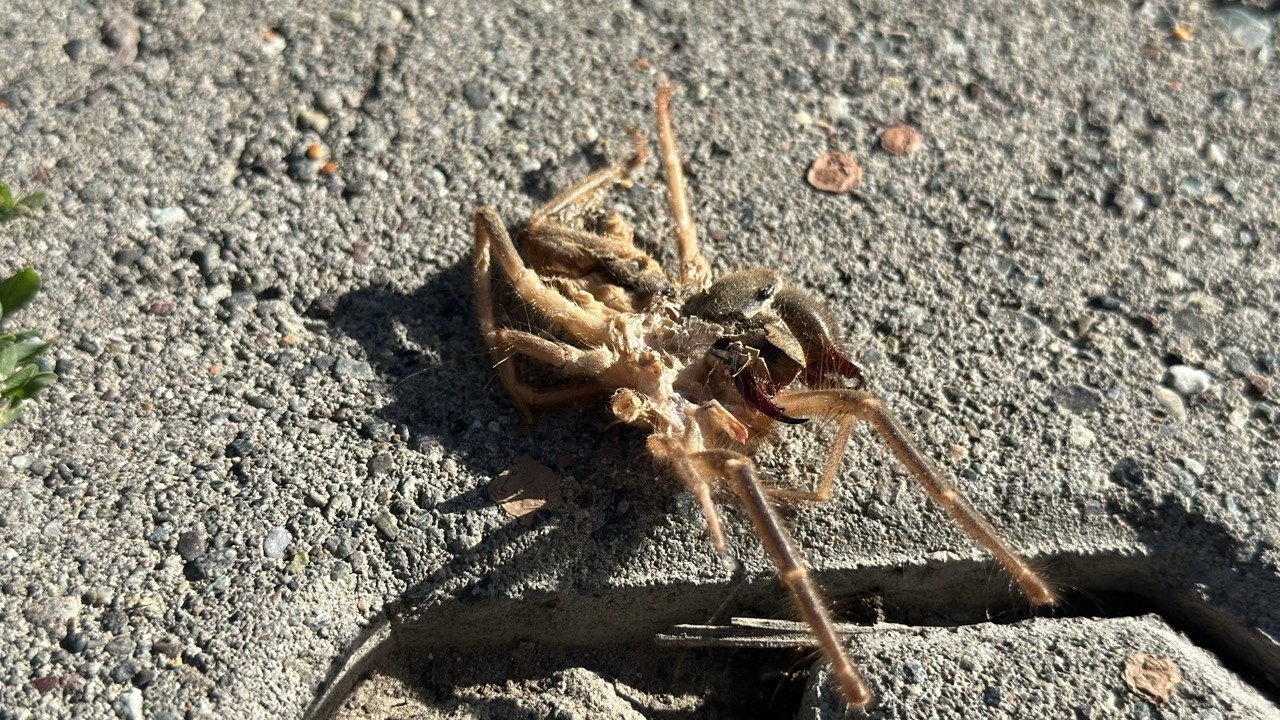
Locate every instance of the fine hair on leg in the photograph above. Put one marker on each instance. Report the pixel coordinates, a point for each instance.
(866, 406)
(792, 570)
(694, 269)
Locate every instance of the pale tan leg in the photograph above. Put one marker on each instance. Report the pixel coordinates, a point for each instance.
(582, 191)
(830, 470)
(584, 326)
(792, 570)
(556, 354)
(672, 451)
(503, 342)
(865, 406)
(695, 272)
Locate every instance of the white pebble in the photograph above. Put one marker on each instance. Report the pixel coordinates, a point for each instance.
(129, 705)
(1189, 381)
(1081, 436)
(171, 215)
(1171, 403)
(277, 542)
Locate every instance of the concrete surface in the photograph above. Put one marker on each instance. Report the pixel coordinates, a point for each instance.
(264, 469)
(963, 672)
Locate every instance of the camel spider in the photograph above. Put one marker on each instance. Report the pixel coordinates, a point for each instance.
(706, 367)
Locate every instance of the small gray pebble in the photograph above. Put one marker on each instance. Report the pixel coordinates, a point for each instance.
(387, 525)
(354, 369)
(477, 95)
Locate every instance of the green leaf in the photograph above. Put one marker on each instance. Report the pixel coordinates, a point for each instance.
(18, 289)
(38, 382)
(17, 353)
(6, 199)
(9, 414)
(34, 200)
(18, 379)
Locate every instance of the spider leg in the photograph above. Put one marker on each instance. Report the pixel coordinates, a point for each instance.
(553, 248)
(695, 272)
(830, 469)
(672, 451)
(490, 233)
(792, 571)
(582, 191)
(503, 343)
(865, 406)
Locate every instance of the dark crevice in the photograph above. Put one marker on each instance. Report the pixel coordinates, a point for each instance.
(933, 594)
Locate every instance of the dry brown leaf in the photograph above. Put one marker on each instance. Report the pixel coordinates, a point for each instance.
(1152, 678)
(835, 172)
(525, 488)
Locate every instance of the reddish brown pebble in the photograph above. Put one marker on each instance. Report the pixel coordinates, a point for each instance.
(315, 151)
(1183, 33)
(1260, 384)
(900, 140)
(45, 684)
(835, 172)
(329, 168)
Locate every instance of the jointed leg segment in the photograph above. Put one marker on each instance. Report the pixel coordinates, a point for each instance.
(741, 474)
(582, 190)
(502, 342)
(865, 406)
(490, 234)
(694, 269)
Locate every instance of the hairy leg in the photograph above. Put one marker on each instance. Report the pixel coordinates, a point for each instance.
(583, 190)
(671, 451)
(491, 235)
(793, 572)
(830, 469)
(695, 272)
(503, 342)
(865, 406)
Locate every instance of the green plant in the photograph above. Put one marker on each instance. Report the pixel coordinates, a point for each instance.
(20, 377)
(11, 208)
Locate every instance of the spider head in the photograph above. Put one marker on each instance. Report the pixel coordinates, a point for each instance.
(776, 332)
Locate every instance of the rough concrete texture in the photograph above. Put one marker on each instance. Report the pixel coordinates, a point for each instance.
(964, 672)
(265, 465)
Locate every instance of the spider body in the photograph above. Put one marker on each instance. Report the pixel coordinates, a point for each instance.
(706, 368)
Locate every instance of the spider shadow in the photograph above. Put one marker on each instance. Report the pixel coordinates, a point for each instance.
(1216, 589)
(446, 402)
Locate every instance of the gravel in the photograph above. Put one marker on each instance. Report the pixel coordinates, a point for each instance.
(248, 347)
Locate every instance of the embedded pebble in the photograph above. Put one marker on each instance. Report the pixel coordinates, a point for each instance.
(129, 705)
(276, 542)
(354, 369)
(162, 217)
(53, 614)
(1171, 403)
(1081, 436)
(315, 120)
(1188, 381)
(121, 33)
(387, 525)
